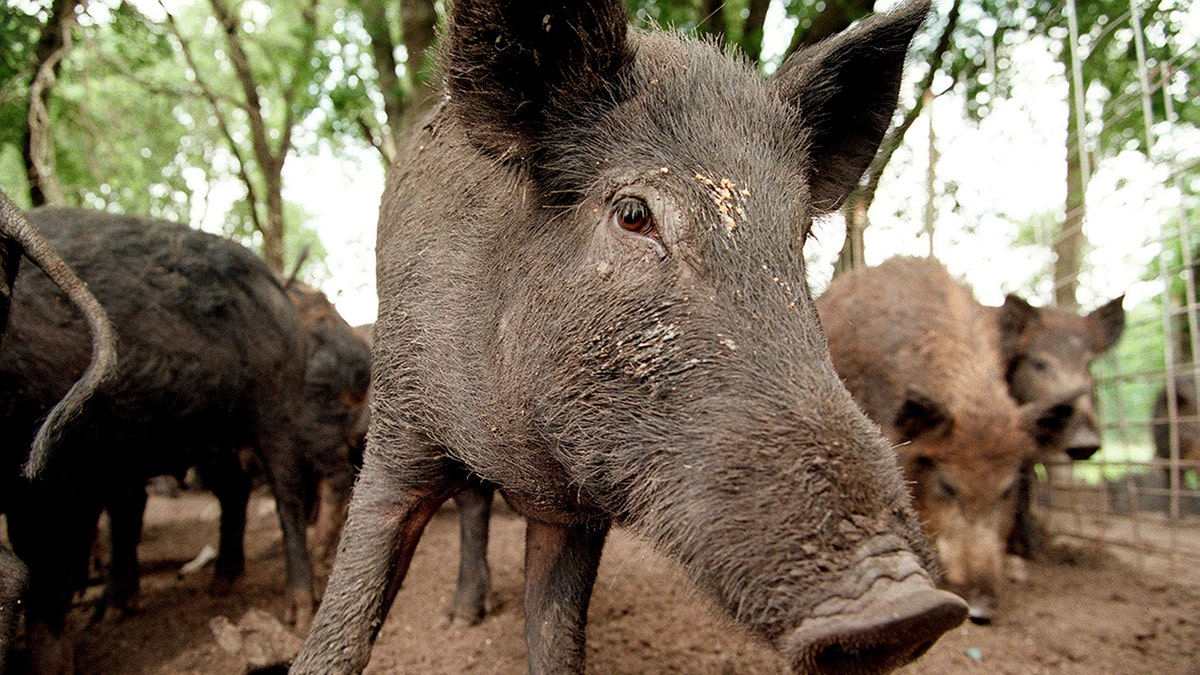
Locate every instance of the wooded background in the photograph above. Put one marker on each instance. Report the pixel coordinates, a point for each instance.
(144, 107)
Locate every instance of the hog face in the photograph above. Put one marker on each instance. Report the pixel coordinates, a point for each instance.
(1048, 356)
(963, 471)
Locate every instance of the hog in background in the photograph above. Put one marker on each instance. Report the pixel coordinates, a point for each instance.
(212, 360)
(1046, 354)
(919, 353)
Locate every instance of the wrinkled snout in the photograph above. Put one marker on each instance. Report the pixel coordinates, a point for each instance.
(897, 617)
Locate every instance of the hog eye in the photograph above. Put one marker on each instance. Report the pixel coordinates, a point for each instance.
(946, 489)
(633, 215)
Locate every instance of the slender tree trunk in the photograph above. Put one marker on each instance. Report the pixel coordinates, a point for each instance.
(383, 51)
(858, 203)
(712, 18)
(36, 148)
(752, 32)
(854, 248)
(419, 19)
(834, 18)
(1068, 246)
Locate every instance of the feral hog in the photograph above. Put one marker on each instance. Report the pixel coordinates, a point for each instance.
(329, 417)
(212, 360)
(1046, 354)
(919, 354)
(1187, 428)
(19, 237)
(334, 410)
(592, 295)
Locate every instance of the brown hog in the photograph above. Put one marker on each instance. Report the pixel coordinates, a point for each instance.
(918, 352)
(1046, 354)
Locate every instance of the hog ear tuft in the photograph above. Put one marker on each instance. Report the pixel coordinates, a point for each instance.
(1107, 322)
(507, 64)
(845, 90)
(920, 415)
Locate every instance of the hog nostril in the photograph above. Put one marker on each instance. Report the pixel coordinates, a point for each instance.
(1081, 452)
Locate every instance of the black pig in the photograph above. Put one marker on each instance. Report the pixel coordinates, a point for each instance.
(330, 416)
(592, 295)
(212, 360)
(19, 237)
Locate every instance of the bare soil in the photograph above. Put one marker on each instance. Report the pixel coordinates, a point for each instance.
(1083, 612)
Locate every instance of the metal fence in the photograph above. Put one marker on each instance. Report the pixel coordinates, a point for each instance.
(1139, 498)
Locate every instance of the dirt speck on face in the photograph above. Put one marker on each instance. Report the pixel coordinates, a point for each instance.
(1076, 613)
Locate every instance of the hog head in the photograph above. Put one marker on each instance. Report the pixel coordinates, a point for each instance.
(592, 295)
(1047, 354)
(964, 473)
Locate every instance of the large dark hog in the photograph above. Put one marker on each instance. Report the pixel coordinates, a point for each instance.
(19, 237)
(329, 418)
(922, 358)
(212, 360)
(1046, 354)
(592, 295)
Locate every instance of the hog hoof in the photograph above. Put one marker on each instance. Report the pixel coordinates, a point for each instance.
(981, 610)
(300, 610)
(49, 653)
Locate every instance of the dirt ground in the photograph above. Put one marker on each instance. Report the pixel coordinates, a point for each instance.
(1084, 613)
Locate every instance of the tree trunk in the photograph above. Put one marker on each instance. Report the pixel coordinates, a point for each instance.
(854, 248)
(858, 203)
(834, 18)
(419, 19)
(383, 51)
(1068, 246)
(36, 152)
(712, 19)
(752, 32)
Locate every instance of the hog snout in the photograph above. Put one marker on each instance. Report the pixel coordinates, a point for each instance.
(1082, 438)
(895, 618)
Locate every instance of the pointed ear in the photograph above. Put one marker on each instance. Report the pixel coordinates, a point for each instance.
(845, 89)
(1013, 318)
(1106, 324)
(920, 415)
(1047, 422)
(507, 62)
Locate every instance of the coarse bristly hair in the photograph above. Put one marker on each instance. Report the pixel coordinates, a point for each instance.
(667, 373)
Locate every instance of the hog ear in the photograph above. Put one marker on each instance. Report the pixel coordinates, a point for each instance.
(1047, 422)
(920, 415)
(507, 63)
(1107, 322)
(845, 89)
(1013, 318)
